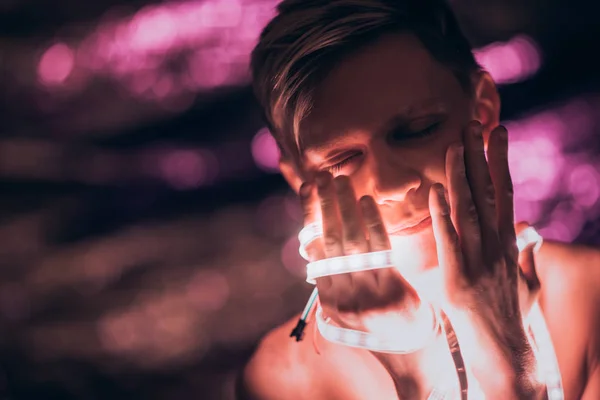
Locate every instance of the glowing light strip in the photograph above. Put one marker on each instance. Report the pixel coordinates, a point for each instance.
(535, 323)
(425, 329)
(351, 263)
(307, 235)
(545, 354)
(529, 237)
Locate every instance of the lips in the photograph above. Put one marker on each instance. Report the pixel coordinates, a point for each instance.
(411, 228)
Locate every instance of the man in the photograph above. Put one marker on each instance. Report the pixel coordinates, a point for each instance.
(382, 116)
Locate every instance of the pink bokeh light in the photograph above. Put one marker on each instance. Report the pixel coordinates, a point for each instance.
(187, 169)
(291, 259)
(512, 61)
(56, 64)
(546, 165)
(208, 291)
(212, 41)
(536, 167)
(584, 185)
(265, 151)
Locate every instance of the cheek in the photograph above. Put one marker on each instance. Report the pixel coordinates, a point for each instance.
(433, 157)
(435, 152)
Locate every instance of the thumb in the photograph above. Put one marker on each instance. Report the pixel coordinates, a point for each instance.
(529, 284)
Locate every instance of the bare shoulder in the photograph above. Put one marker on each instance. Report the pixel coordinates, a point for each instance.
(570, 272)
(313, 369)
(278, 369)
(574, 262)
(570, 298)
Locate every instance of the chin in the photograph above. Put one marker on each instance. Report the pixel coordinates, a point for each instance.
(416, 258)
(415, 253)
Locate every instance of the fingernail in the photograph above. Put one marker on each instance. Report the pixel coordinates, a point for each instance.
(460, 149)
(439, 188)
(322, 179)
(441, 192)
(477, 128)
(306, 189)
(503, 134)
(367, 201)
(338, 183)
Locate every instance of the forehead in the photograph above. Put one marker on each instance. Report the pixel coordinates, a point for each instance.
(393, 75)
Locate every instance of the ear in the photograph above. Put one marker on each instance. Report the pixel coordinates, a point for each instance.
(486, 103)
(286, 166)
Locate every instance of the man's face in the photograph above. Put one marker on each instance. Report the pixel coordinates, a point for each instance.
(385, 117)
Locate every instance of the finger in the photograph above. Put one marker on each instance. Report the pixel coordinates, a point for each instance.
(363, 283)
(449, 252)
(311, 209)
(463, 212)
(332, 232)
(353, 232)
(527, 260)
(528, 287)
(378, 236)
(482, 191)
(332, 226)
(500, 174)
(378, 240)
(529, 284)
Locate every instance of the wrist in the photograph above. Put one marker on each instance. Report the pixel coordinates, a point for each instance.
(416, 374)
(508, 384)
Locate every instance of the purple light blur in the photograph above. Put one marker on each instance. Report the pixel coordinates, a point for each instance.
(187, 169)
(584, 185)
(545, 166)
(208, 291)
(510, 62)
(265, 151)
(213, 39)
(291, 259)
(56, 64)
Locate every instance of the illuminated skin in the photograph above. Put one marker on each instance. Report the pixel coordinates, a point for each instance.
(395, 166)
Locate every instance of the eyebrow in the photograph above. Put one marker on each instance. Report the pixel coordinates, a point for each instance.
(400, 118)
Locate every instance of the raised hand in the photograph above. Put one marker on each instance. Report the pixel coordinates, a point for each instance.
(378, 301)
(478, 257)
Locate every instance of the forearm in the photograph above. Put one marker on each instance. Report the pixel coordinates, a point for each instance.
(437, 366)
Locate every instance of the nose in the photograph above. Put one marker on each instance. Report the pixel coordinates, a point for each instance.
(393, 180)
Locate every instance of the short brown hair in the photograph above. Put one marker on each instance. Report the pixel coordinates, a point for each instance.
(307, 38)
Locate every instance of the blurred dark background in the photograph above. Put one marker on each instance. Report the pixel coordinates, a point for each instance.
(146, 239)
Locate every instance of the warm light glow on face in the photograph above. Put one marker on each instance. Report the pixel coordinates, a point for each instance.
(410, 253)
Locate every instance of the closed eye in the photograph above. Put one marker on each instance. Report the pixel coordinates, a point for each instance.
(429, 130)
(407, 134)
(337, 167)
(398, 134)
